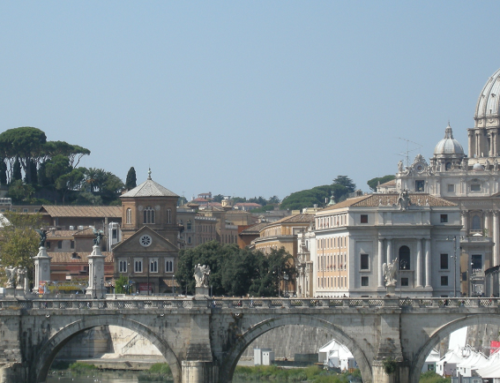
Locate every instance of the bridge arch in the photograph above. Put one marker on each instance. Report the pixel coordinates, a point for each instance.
(231, 359)
(443, 332)
(52, 346)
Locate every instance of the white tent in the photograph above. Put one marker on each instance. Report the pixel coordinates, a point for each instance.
(492, 369)
(472, 360)
(334, 354)
(448, 364)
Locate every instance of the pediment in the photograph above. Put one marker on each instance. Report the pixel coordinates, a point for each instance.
(134, 244)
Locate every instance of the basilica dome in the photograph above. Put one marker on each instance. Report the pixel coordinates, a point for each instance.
(488, 104)
(448, 146)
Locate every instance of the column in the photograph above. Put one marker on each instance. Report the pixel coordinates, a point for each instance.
(381, 259)
(419, 263)
(96, 274)
(487, 230)
(42, 268)
(496, 236)
(389, 250)
(465, 222)
(471, 149)
(428, 279)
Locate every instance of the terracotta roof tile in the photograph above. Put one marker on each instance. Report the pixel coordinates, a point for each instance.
(82, 211)
(254, 229)
(149, 188)
(68, 257)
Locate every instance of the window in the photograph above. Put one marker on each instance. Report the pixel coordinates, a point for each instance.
(25, 210)
(364, 281)
(364, 218)
(444, 280)
(404, 258)
(113, 233)
(122, 266)
(476, 261)
(476, 223)
(189, 239)
(169, 265)
(169, 216)
(451, 188)
(444, 261)
(189, 224)
(475, 187)
(444, 218)
(149, 215)
(153, 265)
(448, 166)
(129, 215)
(138, 265)
(404, 281)
(419, 185)
(59, 244)
(72, 244)
(47, 245)
(364, 262)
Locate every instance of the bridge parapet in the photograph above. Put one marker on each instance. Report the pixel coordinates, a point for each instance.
(160, 303)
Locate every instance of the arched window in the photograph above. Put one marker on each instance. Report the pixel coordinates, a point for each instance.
(476, 223)
(404, 258)
(149, 215)
(129, 215)
(448, 166)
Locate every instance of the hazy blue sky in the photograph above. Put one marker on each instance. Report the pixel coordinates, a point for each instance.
(246, 98)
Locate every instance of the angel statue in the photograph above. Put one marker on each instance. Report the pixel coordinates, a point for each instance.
(21, 275)
(390, 273)
(201, 274)
(98, 236)
(11, 276)
(43, 236)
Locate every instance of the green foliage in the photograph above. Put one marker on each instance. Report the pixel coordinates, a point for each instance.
(21, 192)
(390, 366)
(19, 239)
(234, 271)
(131, 181)
(160, 368)
(158, 372)
(374, 181)
(16, 172)
(340, 189)
(312, 374)
(119, 283)
(432, 377)
(3, 172)
(81, 368)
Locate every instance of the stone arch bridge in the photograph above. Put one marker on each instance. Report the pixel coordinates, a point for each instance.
(202, 339)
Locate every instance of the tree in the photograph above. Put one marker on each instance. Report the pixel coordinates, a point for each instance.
(25, 143)
(346, 182)
(121, 285)
(3, 172)
(16, 173)
(19, 240)
(131, 181)
(218, 198)
(307, 198)
(374, 181)
(19, 191)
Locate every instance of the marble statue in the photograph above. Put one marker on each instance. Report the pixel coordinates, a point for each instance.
(404, 200)
(11, 276)
(400, 166)
(390, 270)
(21, 274)
(201, 274)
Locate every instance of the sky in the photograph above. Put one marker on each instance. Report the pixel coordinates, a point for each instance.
(246, 98)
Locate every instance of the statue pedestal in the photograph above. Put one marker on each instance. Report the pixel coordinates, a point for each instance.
(9, 292)
(201, 292)
(391, 290)
(20, 292)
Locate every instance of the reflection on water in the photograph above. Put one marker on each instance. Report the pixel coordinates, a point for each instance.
(94, 377)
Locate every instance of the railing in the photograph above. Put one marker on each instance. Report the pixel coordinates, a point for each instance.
(161, 303)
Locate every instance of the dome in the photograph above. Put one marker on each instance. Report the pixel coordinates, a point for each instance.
(448, 146)
(488, 104)
(478, 167)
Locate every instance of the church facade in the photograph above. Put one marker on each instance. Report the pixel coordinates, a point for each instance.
(471, 181)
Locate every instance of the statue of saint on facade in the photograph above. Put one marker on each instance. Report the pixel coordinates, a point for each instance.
(201, 274)
(21, 274)
(43, 237)
(400, 166)
(390, 270)
(404, 200)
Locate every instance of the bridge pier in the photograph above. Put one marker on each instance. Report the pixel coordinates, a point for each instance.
(13, 372)
(400, 375)
(199, 372)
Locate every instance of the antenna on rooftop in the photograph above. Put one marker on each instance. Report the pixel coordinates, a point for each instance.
(406, 154)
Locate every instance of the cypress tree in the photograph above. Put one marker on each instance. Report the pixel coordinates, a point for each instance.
(34, 175)
(3, 172)
(131, 181)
